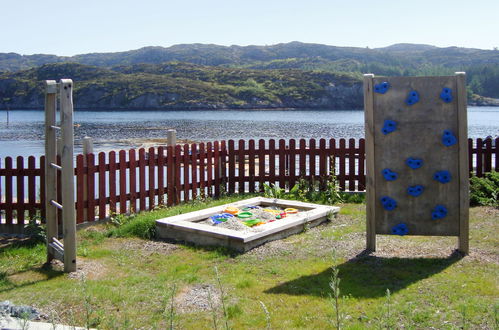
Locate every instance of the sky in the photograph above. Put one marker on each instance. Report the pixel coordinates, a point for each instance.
(86, 26)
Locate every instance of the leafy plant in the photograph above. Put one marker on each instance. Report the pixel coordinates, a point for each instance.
(485, 191)
(273, 191)
(35, 230)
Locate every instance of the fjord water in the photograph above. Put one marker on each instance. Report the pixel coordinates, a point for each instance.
(24, 133)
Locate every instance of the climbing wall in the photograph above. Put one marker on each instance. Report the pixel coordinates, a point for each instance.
(416, 140)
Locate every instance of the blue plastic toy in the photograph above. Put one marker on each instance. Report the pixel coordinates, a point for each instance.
(400, 229)
(382, 88)
(439, 212)
(412, 98)
(219, 218)
(388, 203)
(442, 176)
(389, 175)
(389, 126)
(415, 190)
(414, 163)
(448, 138)
(446, 95)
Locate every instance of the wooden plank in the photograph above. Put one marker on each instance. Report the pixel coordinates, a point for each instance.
(209, 168)
(370, 181)
(216, 167)
(312, 152)
(142, 179)
(282, 163)
(178, 164)
(351, 165)
(80, 201)
(185, 162)
(112, 181)
(161, 175)
(91, 187)
(8, 190)
(342, 169)
(471, 170)
(292, 163)
(241, 166)
(332, 158)
(42, 189)
(261, 164)
(151, 173)
(194, 170)
(323, 175)
(223, 165)
(202, 176)
(496, 165)
(31, 188)
(232, 167)
(303, 159)
(271, 161)
(102, 186)
(170, 176)
(132, 175)
(464, 200)
(479, 157)
(361, 169)
(48, 176)
(251, 165)
(487, 157)
(20, 190)
(122, 165)
(59, 193)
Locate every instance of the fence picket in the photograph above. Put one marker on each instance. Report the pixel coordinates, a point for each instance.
(161, 175)
(151, 162)
(282, 163)
(194, 170)
(20, 189)
(479, 158)
(241, 167)
(351, 165)
(216, 167)
(177, 165)
(90, 187)
(232, 167)
(251, 165)
(31, 188)
(122, 164)
(79, 189)
(102, 186)
(112, 181)
(132, 174)
(261, 164)
(8, 190)
(323, 164)
(361, 168)
(271, 161)
(487, 164)
(202, 183)
(292, 163)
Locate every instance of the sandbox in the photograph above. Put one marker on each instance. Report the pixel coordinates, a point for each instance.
(197, 227)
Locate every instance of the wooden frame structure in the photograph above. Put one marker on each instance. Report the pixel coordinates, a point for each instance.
(64, 251)
(407, 120)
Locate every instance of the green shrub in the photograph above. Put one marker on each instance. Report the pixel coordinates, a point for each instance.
(485, 191)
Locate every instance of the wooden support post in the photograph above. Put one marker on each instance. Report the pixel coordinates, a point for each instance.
(67, 175)
(464, 199)
(370, 184)
(88, 148)
(50, 157)
(171, 138)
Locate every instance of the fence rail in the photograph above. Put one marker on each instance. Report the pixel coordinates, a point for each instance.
(135, 180)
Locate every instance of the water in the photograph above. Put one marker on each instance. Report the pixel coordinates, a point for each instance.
(24, 134)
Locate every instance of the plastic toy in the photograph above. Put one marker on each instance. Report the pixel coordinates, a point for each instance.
(415, 190)
(414, 163)
(389, 175)
(448, 138)
(400, 229)
(278, 217)
(244, 215)
(290, 210)
(446, 95)
(442, 176)
(382, 88)
(253, 222)
(272, 211)
(439, 212)
(388, 203)
(250, 207)
(231, 209)
(412, 98)
(219, 218)
(389, 126)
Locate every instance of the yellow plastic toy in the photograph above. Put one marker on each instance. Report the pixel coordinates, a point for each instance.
(291, 210)
(232, 210)
(272, 211)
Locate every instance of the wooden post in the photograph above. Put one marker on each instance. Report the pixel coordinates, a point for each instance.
(464, 199)
(370, 184)
(50, 157)
(67, 175)
(171, 138)
(88, 148)
(171, 141)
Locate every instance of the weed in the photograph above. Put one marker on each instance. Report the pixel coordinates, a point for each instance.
(170, 306)
(463, 311)
(222, 298)
(485, 191)
(212, 309)
(267, 315)
(273, 191)
(388, 313)
(35, 230)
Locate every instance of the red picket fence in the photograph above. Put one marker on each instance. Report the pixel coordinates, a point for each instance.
(137, 180)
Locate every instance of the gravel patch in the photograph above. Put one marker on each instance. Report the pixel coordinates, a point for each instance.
(147, 248)
(201, 297)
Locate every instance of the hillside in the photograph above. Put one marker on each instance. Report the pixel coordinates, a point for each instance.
(177, 85)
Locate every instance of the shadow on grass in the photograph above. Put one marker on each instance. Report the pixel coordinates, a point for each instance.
(43, 274)
(367, 276)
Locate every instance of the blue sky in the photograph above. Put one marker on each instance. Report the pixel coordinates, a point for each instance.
(84, 26)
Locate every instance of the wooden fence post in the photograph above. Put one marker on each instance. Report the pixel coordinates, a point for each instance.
(88, 148)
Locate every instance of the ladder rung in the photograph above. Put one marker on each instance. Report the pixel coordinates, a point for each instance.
(55, 241)
(55, 127)
(57, 251)
(53, 202)
(56, 166)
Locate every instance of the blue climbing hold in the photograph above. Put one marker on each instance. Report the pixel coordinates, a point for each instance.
(446, 95)
(388, 203)
(382, 88)
(414, 163)
(389, 175)
(415, 190)
(400, 229)
(389, 126)
(442, 176)
(412, 98)
(439, 212)
(448, 138)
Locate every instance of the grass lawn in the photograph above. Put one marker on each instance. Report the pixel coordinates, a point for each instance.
(124, 281)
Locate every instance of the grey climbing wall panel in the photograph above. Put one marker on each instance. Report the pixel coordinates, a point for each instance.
(417, 162)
